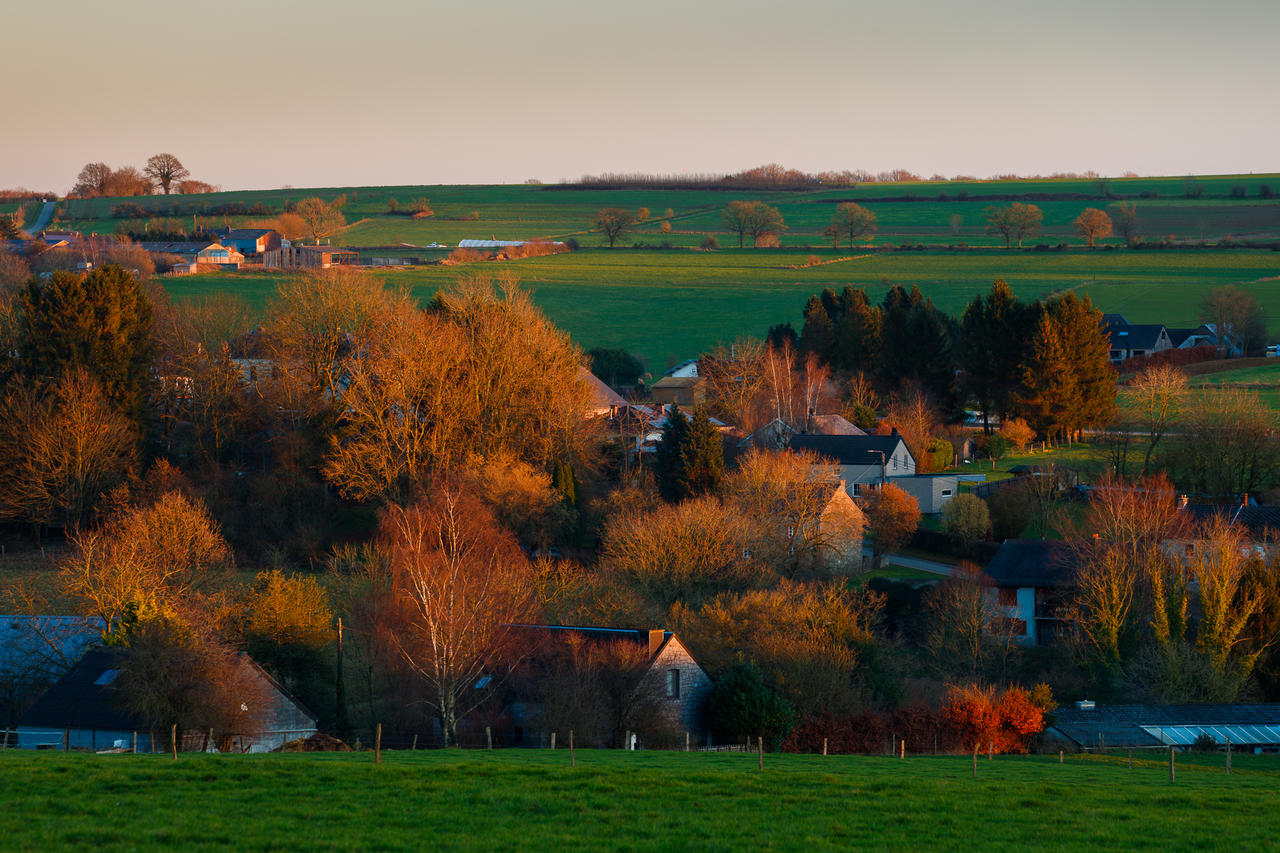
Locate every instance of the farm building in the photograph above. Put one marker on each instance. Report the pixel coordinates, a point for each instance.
(290, 256)
(602, 400)
(82, 710)
(502, 244)
(684, 391)
(1092, 726)
(1129, 340)
(250, 241)
(863, 460)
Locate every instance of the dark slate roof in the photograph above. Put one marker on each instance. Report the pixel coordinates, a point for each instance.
(1134, 337)
(1032, 562)
(1121, 725)
(630, 635)
(1260, 521)
(1114, 320)
(77, 701)
(176, 248)
(849, 449)
(1178, 336)
(244, 233)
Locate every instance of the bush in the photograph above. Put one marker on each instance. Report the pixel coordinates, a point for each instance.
(941, 454)
(742, 704)
(1265, 191)
(1018, 433)
(967, 518)
(709, 243)
(129, 210)
(665, 227)
(1239, 191)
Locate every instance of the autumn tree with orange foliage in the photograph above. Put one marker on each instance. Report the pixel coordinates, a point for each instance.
(461, 584)
(892, 516)
(1002, 722)
(1093, 224)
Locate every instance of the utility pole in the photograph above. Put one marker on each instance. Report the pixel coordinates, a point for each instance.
(340, 712)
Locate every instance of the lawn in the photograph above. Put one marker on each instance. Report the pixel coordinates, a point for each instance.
(533, 800)
(671, 305)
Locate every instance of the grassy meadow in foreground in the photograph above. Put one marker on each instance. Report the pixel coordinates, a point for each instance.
(671, 305)
(524, 799)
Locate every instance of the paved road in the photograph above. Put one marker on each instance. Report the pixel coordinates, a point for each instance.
(931, 566)
(42, 221)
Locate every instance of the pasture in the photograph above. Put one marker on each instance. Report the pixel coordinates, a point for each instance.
(936, 213)
(533, 800)
(671, 305)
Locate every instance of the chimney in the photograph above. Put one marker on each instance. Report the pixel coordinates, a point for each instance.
(656, 636)
(894, 434)
(1183, 500)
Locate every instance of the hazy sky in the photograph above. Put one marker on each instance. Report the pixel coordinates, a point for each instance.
(253, 94)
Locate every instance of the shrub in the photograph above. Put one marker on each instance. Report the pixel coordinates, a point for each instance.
(742, 704)
(392, 205)
(1265, 191)
(941, 454)
(966, 518)
(1018, 433)
(709, 243)
(1239, 191)
(128, 210)
(665, 227)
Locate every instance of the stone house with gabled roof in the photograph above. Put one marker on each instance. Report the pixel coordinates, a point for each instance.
(82, 710)
(863, 461)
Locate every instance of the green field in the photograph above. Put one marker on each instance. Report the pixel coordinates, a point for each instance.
(671, 305)
(1257, 375)
(532, 800)
(932, 212)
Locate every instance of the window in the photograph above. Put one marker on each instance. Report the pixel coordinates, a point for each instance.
(946, 493)
(107, 677)
(673, 684)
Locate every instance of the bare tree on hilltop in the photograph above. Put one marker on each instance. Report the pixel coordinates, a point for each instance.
(164, 169)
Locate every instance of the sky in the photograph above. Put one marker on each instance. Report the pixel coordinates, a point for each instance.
(258, 95)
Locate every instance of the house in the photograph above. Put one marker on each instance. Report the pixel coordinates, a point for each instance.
(686, 391)
(250, 241)
(932, 491)
(1089, 725)
(602, 399)
(82, 711)
(55, 237)
(1031, 576)
(1129, 340)
(686, 369)
(864, 461)
(670, 678)
(1261, 524)
(1200, 336)
(777, 433)
(839, 529)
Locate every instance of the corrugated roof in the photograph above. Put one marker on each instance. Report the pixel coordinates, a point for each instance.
(1179, 725)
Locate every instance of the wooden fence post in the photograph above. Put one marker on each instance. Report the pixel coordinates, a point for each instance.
(414, 747)
(1131, 759)
(1060, 756)
(488, 738)
(135, 743)
(66, 740)
(173, 740)
(1172, 773)
(573, 762)
(760, 751)
(824, 746)
(1228, 756)
(976, 744)
(686, 741)
(902, 749)
(208, 744)
(377, 745)
(553, 741)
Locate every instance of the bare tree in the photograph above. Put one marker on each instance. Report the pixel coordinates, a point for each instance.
(854, 221)
(1154, 402)
(612, 222)
(1126, 222)
(92, 180)
(464, 585)
(61, 451)
(321, 218)
(968, 627)
(1018, 222)
(164, 169)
